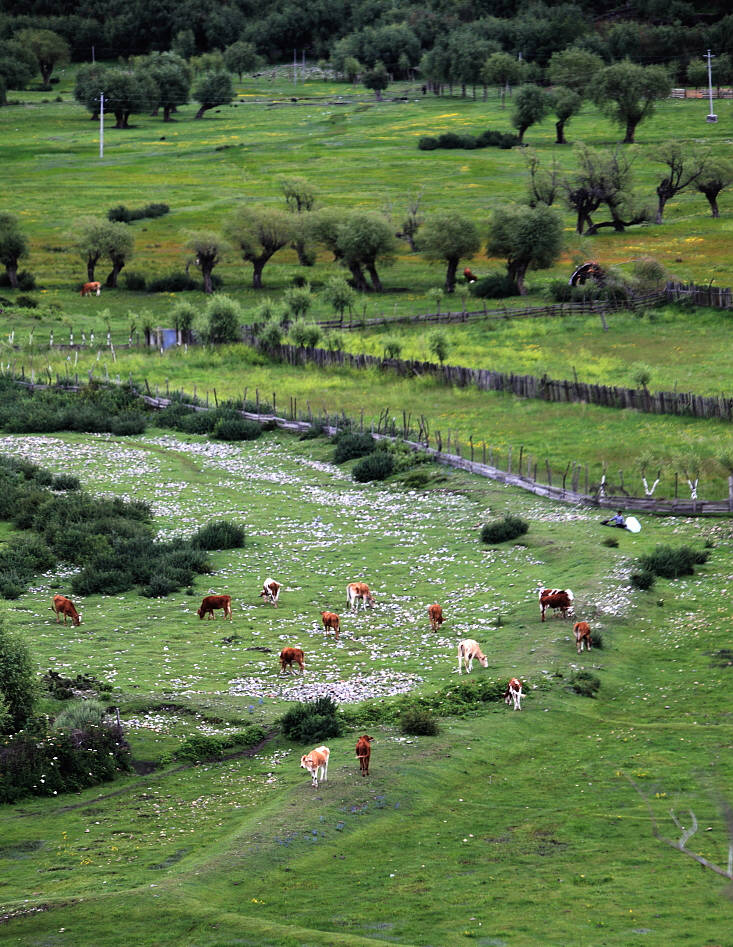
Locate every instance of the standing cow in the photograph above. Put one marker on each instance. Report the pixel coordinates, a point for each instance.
(64, 606)
(558, 599)
(435, 613)
(364, 752)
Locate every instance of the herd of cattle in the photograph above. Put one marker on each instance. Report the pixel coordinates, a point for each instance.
(561, 601)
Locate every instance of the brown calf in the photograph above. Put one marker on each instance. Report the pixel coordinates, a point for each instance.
(212, 602)
(64, 606)
(292, 655)
(436, 616)
(331, 620)
(581, 630)
(363, 752)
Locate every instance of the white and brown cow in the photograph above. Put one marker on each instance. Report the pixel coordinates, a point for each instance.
(468, 650)
(271, 591)
(316, 762)
(560, 600)
(358, 592)
(581, 630)
(514, 693)
(91, 289)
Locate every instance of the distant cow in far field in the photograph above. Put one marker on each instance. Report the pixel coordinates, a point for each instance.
(363, 752)
(436, 616)
(271, 591)
(64, 606)
(331, 620)
(558, 599)
(581, 630)
(91, 289)
(292, 656)
(212, 602)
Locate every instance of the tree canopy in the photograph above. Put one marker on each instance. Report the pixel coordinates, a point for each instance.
(527, 237)
(530, 106)
(13, 247)
(48, 47)
(628, 93)
(214, 88)
(259, 233)
(452, 238)
(364, 239)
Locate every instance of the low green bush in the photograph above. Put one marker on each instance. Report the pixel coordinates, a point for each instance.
(66, 482)
(349, 446)
(504, 529)
(125, 215)
(671, 562)
(596, 638)
(585, 683)
(201, 747)
(134, 282)
(219, 534)
(642, 580)
(236, 429)
(312, 722)
(610, 541)
(428, 143)
(172, 283)
(26, 302)
(419, 722)
(375, 466)
(494, 286)
(80, 715)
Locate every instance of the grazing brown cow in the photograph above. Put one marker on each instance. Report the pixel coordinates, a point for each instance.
(436, 616)
(89, 289)
(468, 649)
(64, 606)
(363, 752)
(290, 655)
(316, 762)
(558, 599)
(271, 591)
(581, 630)
(514, 693)
(331, 620)
(358, 591)
(212, 602)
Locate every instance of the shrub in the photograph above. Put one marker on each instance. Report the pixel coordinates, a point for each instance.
(642, 581)
(219, 534)
(66, 482)
(596, 638)
(419, 722)
(125, 425)
(201, 746)
(80, 715)
(172, 283)
(453, 140)
(585, 683)
(124, 214)
(236, 429)
(312, 722)
(198, 422)
(560, 291)
(349, 446)
(17, 680)
(494, 286)
(504, 529)
(610, 541)
(427, 143)
(670, 562)
(375, 466)
(224, 318)
(26, 302)
(26, 281)
(495, 139)
(271, 334)
(134, 282)
(392, 347)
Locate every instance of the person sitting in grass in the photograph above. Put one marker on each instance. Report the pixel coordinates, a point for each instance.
(617, 520)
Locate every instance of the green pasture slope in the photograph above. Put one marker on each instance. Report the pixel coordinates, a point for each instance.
(505, 829)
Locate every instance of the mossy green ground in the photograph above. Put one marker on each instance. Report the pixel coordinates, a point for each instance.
(506, 828)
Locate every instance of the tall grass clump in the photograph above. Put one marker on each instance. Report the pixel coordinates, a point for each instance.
(81, 715)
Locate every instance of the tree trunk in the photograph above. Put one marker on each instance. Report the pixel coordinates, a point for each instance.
(560, 133)
(200, 113)
(358, 278)
(166, 113)
(119, 119)
(91, 264)
(12, 271)
(450, 276)
(630, 129)
(376, 282)
(520, 133)
(117, 267)
(206, 273)
(46, 70)
(660, 209)
(259, 266)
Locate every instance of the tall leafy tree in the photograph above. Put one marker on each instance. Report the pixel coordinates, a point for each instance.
(565, 104)
(574, 68)
(530, 106)
(89, 84)
(604, 178)
(17, 64)
(13, 247)
(376, 79)
(172, 78)
(527, 237)
(118, 248)
(205, 250)
(365, 239)
(716, 176)
(452, 238)
(241, 57)
(214, 88)
(259, 233)
(49, 49)
(502, 70)
(628, 93)
(127, 91)
(684, 165)
(90, 236)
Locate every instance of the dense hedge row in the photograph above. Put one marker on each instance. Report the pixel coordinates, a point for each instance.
(125, 214)
(487, 139)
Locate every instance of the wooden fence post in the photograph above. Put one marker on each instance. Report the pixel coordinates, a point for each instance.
(549, 472)
(509, 461)
(470, 441)
(730, 494)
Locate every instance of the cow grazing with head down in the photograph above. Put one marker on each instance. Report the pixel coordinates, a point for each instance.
(514, 693)
(358, 592)
(271, 591)
(363, 752)
(290, 656)
(468, 649)
(316, 762)
(64, 606)
(560, 600)
(89, 289)
(331, 620)
(581, 630)
(435, 613)
(211, 602)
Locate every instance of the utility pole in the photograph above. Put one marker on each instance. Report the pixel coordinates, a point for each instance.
(295, 66)
(93, 59)
(712, 117)
(101, 124)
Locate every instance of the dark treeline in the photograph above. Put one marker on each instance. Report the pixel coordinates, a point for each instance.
(645, 31)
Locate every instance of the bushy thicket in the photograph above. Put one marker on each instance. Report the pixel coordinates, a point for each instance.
(43, 761)
(419, 722)
(504, 529)
(487, 139)
(585, 683)
(223, 423)
(312, 721)
(375, 466)
(642, 580)
(202, 746)
(494, 286)
(172, 283)
(236, 429)
(349, 446)
(97, 408)
(219, 534)
(671, 562)
(126, 214)
(18, 690)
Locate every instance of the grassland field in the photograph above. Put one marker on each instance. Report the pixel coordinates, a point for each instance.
(505, 829)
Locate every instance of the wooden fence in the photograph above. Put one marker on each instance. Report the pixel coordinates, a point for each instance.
(712, 296)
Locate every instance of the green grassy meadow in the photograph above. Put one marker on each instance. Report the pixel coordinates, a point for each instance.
(504, 829)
